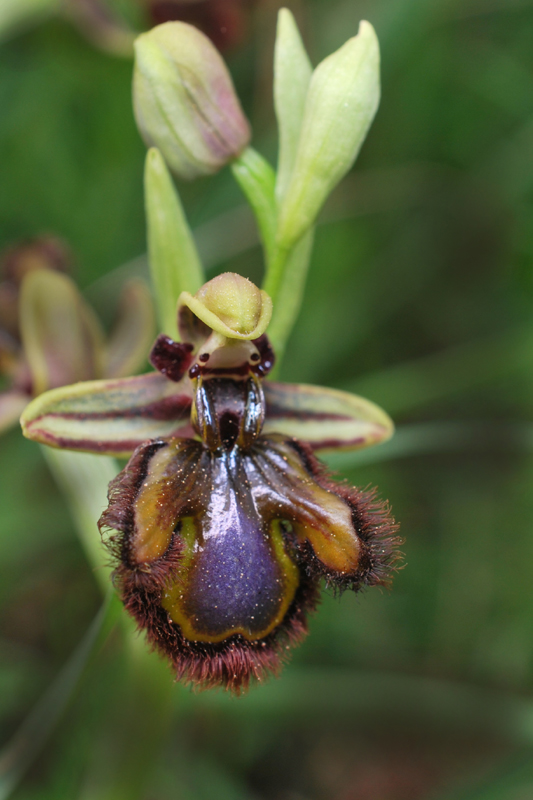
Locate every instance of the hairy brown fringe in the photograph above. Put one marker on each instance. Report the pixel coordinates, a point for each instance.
(375, 526)
(234, 663)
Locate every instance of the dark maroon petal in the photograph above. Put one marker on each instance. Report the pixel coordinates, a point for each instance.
(171, 358)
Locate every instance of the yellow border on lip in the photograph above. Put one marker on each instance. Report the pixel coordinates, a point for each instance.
(216, 324)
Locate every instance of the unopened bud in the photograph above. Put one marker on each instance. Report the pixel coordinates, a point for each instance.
(184, 100)
(341, 102)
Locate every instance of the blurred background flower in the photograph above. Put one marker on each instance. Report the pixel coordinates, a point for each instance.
(49, 335)
(16, 263)
(420, 297)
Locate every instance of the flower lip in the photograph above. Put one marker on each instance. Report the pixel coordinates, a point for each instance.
(236, 574)
(182, 515)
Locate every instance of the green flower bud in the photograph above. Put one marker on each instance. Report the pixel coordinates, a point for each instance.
(341, 102)
(184, 101)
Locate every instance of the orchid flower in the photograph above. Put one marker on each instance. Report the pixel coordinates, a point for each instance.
(223, 522)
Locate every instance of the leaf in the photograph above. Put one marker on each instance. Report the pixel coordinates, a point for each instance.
(257, 179)
(174, 262)
(326, 419)
(341, 102)
(110, 417)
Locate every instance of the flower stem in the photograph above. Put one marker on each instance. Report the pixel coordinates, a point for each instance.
(286, 282)
(257, 180)
(286, 268)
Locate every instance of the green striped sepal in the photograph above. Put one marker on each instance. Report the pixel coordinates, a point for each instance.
(110, 417)
(327, 419)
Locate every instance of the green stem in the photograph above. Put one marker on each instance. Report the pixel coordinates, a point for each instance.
(274, 272)
(289, 293)
(286, 269)
(257, 180)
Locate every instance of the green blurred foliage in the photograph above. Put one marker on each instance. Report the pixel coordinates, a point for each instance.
(420, 296)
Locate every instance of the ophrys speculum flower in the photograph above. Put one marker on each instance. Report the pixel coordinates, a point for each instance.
(223, 522)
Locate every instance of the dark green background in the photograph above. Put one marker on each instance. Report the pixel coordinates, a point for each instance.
(420, 297)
